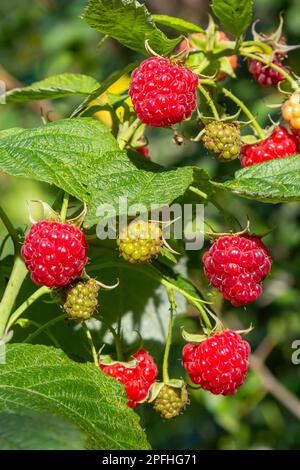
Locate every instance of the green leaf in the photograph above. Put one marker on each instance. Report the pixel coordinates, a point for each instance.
(130, 23)
(273, 181)
(81, 157)
(57, 86)
(44, 379)
(234, 15)
(35, 431)
(177, 23)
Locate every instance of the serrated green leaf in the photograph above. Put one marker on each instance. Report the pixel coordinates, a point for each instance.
(44, 379)
(273, 181)
(177, 23)
(130, 23)
(81, 157)
(234, 15)
(36, 431)
(57, 86)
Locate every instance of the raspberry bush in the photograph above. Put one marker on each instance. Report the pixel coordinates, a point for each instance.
(108, 353)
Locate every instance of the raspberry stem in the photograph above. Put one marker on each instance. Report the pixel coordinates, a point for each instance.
(91, 343)
(125, 135)
(18, 274)
(246, 110)
(24, 306)
(43, 328)
(169, 335)
(10, 228)
(270, 64)
(209, 101)
(64, 207)
(198, 192)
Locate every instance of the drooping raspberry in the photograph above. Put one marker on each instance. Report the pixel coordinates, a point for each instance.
(140, 241)
(219, 364)
(291, 112)
(265, 75)
(162, 93)
(171, 401)
(82, 299)
(137, 380)
(55, 253)
(280, 144)
(223, 139)
(144, 151)
(236, 265)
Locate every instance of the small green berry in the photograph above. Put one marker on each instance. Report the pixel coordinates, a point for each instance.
(223, 139)
(171, 401)
(140, 241)
(81, 299)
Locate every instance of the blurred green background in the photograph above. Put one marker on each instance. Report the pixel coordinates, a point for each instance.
(44, 37)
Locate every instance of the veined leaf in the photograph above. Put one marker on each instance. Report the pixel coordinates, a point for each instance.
(273, 181)
(234, 15)
(57, 86)
(177, 23)
(130, 23)
(81, 157)
(36, 431)
(43, 379)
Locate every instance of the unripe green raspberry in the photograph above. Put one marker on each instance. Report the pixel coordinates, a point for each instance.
(171, 401)
(223, 139)
(140, 241)
(82, 299)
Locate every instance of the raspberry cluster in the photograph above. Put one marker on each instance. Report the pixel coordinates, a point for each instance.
(55, 253)
(140, 241)
(219, 364)
(82, 299)
(171, 401)
(223, 139)
(291, 112)
(280, 144)
(265, 75)
(163, 93)
(137, 380)
(236, 265)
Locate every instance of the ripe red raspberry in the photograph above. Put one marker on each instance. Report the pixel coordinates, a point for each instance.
(280, 144)
(265, 75)
(219, 364)
(55, 253)
(144, 151)
(138, 379)
(236, 265)
(162, 93)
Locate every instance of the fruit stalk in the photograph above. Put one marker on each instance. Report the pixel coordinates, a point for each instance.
(246, 110)
(169, 336)
(13, 287)
(24, 306)
(210, 102)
